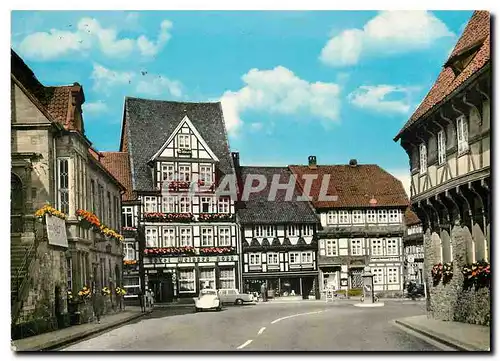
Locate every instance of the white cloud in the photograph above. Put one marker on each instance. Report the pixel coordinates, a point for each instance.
(95, 107)
(106, 80)
(256, 126)
(404, 176)
(387, 33)
(279, 90)
(89, 34)
(375, 98)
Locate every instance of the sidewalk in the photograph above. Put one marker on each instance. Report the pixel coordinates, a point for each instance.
(60, 338)
(462, 336)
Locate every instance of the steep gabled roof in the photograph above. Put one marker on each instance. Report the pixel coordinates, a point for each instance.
(476, 36)
(258, 209)
(411, 217)
(118, 164)
(354, 186)
(150, 122)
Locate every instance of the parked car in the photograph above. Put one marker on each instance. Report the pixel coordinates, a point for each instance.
(231, 295)
(208, 299)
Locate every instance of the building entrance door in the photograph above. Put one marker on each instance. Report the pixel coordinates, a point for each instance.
(162, 287)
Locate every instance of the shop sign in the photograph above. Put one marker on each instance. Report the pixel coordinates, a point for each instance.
(196, 259)
(56, 231)
(343, 282)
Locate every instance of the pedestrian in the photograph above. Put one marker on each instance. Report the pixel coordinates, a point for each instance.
(97, 305)
(140, 295)
(151, 299)
(263, 291)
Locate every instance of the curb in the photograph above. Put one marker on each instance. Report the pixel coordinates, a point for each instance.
(441, 338)
(60, 342)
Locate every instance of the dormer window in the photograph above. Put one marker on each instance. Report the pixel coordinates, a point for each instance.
(183, 141)
(423, 158)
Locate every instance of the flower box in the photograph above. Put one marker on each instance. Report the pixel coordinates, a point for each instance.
(216, 250)
(168, 217)
(169, 251)
(215, 217)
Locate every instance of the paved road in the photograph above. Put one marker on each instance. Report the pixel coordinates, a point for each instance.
(300, 326)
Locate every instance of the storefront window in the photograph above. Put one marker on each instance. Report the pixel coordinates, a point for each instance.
(226, 278)
(207, 278)
(187, 281)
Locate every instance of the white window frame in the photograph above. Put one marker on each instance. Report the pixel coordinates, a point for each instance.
(331, 217)
(331, 247)
(206, 174)
(151, 237)
(185, 237)
(392, 275)
(168, 204)
(167, 172)
(307, 230)
(185, 172)
(207, 236)
(376, 247)
(168, 237)
(185, 204)
(224, 234)
(224, 205)
(254, 259)
(63, 195)
(128, 247)
(306, 258)
(462, 135)
(224, 278)
(187, 280)
(378, 276)
(393, 215)
(358, 217)
(382, 216)
(269, 231)
(293, 230)
(344, 217)
(210, 279)
(273, 259)
(441, 142)
(357, 246)
(209, 201)
(150, 204)
(422, 151)
(294, 258)
(259, 231)
(391, 245)
(184, 141)
(128, 212)
(371, 216)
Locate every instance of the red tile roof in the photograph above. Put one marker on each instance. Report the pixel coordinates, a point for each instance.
(118, 164)
(477, 32)
(57, 102)
(411, 217)
(355, 186)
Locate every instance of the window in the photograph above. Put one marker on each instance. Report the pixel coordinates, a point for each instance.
(167, 172)
(307, 230)
(293, 231)
(224, 205)
(207, 237)
(331, 247)
(441, 139)
(462, 135)
(149, 204)
(344, 217)
(272, 259)
(226, 278)
(392, 275)
(206, 174)
(371, 216)
(306, 257)
(168, 237)
(128, 251)
(206, 205)
(110, 210)
(357, 217)
(394, 216)
(377, 249)
(378, 276)
(224, 237)
(168, 204)
(207, 278)
(92, 196)
(185, 237)
(382, 216)
(294, 258)
(63, 185)
(356, 247)
(185, 205)
(100, 200)
(185, 173)
(423, 158)
(392, 246)
(151, 237)
(184, 141)
(259, 231)
(186, 280)
(254, 259)
(268, 231)
(127, 217)
(331, 217)
(69, 266)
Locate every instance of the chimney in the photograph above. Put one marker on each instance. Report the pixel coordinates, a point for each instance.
(312, 162)
(353, 162)
(236, 160)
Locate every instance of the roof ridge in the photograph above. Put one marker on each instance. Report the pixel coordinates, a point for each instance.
(169, 101)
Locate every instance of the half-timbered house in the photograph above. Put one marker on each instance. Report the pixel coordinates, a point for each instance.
(279, 244)
(179, 153)
(413, 243)
(361, 224)
(448, 143)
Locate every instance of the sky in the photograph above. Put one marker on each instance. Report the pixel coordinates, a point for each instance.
(335, 84)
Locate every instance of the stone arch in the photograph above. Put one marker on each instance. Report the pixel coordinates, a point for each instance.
(437, 247)
(16, 194)
(479, 242)
(446, 246)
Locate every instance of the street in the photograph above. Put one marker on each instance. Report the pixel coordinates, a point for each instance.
(293, 326)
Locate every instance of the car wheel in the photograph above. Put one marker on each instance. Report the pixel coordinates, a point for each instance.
(239, 301)
(196, 309)
(219, 308)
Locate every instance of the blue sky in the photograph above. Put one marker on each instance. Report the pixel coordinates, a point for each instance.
(334, 84)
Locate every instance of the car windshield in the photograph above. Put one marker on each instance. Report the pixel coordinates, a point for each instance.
(208, 292)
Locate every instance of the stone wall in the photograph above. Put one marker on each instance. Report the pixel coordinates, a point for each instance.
(450, 301)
